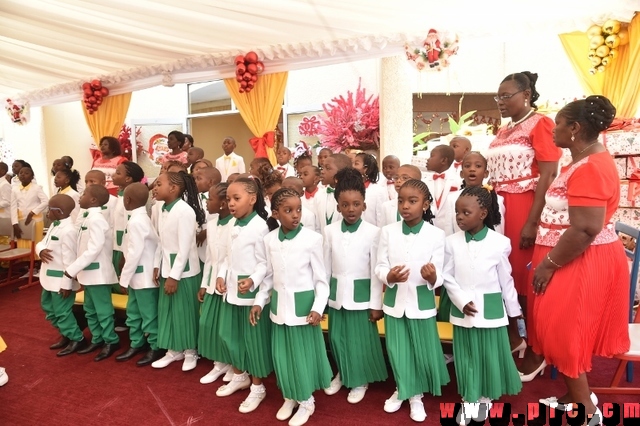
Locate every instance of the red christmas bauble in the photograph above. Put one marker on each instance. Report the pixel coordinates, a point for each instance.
(97, 93)
(246, 76)
(239, 59)
(239, 78)
(95, 84)
(259, 67)
(105, 91)
(86, 86)
(241, 69)
(92, 99)
(254, 78)
(243, 84)
(251, 68)
(241, 90)
(88, 91)
(251, 57)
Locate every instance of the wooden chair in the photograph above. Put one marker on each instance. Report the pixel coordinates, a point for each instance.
(17, 254)
(633, 354)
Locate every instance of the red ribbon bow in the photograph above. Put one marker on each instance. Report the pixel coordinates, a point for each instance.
(457, 164)
(438, 176)
(260, 144)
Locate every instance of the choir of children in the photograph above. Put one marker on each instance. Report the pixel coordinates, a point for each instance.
(200, 283)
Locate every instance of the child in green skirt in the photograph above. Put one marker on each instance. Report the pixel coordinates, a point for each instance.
(177, 268)
(296, 284)
(355, 299)
(410, 261)
(477, 276)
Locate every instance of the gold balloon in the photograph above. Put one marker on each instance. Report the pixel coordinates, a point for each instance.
(594, 30)
(613, 53)
(611, 27)
(592, 53)
(606, 61)
(600, 68)
(612, 41)
(623, 35)
(595, 61)
(595, 42)
(592, 71)
(602, 51)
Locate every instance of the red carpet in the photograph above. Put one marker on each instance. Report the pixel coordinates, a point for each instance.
(73, 390)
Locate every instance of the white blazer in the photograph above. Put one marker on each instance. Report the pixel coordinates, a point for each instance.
(375, 196)
(5, 198)
(120, 218)
(176, 255)
(244, 258)
(413, 298)
(107, 211)
(61, 239)
(325, 208)
(287, 170)
(218, 236)
(390, 188)
(295, 279)
(451, 224)
(350, 261)
(139, 249)
(95, 246)
(479, 272)
(30, 198)
(308, 219)
(228, 165)
(202, 250)
(390, 212)
(440, 191)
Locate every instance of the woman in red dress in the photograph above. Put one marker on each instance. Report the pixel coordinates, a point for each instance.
(110, 158)
(581, 276)
(522, 162)
(175, 142)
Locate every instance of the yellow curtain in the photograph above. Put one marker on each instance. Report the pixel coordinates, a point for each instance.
(620, 81)
(109, 118)
(260, 110)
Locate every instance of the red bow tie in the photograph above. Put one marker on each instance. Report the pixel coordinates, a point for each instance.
(390, 182)
(281, 169)
(438, 176)
(457, 164)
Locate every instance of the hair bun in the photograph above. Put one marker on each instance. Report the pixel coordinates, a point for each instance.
(532, 76)
(599, 112)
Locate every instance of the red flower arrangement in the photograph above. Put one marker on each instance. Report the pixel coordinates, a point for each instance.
(125, 142)
(351, 123)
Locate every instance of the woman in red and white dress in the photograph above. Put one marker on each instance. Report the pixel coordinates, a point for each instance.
(581, 277)
(110, 158)
(522, 162)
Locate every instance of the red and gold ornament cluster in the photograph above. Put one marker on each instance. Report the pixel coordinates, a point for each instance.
(94, 93)
(247, 69)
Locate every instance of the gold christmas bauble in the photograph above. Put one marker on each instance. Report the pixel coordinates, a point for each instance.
(606, 60)
(612, 41)
(592, 71)
(623, 35)
(611, 27)
(594, 30)
(592, 53)
(600, 68)
(602, 51)
(595, 61)
(613, 53)
(596, 41)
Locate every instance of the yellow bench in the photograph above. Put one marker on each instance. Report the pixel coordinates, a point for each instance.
(119, 300)
(445, 329)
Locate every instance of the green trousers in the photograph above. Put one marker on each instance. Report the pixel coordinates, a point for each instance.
(116, 257)
(142, 317)
(58, 311)
(99, 311)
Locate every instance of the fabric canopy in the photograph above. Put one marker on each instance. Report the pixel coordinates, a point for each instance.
(49, 47)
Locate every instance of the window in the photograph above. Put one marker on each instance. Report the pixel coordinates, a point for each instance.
(209, 98)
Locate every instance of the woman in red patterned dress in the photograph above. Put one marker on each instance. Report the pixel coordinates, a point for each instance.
(110, 158)
(522, 163)
(581, 276)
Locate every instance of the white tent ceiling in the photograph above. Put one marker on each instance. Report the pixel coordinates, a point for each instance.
(49, 47)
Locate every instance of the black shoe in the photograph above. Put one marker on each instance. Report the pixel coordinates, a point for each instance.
(107, 351)
(64, 341)
(126, 356)
(151, 357)
(92, 347)
(72, 347)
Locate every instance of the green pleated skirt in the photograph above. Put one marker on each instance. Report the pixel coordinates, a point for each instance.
(416, 357)
(484, 364)
(210, 345)
(356, 347)
(444, 307)
(300, 360)
(249, 347)
(178, 315)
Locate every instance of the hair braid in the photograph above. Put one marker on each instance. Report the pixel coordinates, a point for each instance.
(349, 179)
(134, 171)
(253, 186)
(188, 192)
(427, 214)
(73, 176)
(488, 199)
(371, 166)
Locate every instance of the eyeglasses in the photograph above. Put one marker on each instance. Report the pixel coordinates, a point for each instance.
(506, 97)
(56, 209)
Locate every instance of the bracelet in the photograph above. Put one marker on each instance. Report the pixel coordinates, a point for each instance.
(552, 262)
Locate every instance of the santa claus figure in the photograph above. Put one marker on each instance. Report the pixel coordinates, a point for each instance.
(432, 46)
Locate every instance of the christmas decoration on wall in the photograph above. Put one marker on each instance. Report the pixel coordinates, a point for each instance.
(604, 41)
(435, 52)
(247, 69)
(125, 142)
(309, 126)
(351, 123)
(94, 93)
(18, 113)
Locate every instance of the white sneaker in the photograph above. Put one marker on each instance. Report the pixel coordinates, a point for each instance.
(120, 329)
(229, 376)
(552, 402)
(169, 357)
(393, 404)
(484, 405)
(219, 369)
(335, 386)
(239, 382)
(356, 394)
(3, 377)
(286, 410)
(190, 360)
(305, 410)
(257, 394)
(417, 409)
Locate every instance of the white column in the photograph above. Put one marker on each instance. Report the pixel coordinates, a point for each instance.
(396, 110)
